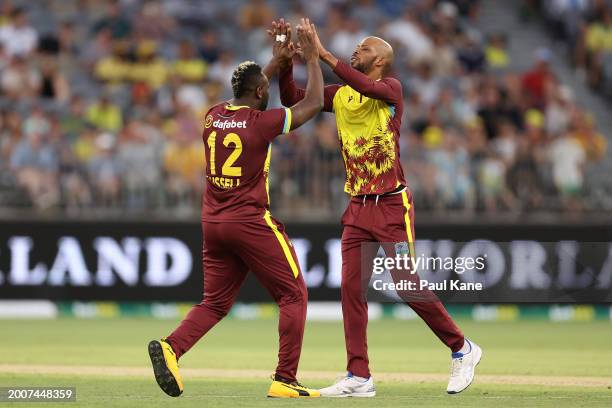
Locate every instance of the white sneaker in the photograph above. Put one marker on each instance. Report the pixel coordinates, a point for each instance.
(463, 366)
(350, 386)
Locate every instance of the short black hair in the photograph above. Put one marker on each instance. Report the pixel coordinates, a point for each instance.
(245, 77)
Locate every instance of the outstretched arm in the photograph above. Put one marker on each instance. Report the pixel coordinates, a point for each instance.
(387, 89)
(290, 94)
(282, 48)
(312, 101)
(282, 60)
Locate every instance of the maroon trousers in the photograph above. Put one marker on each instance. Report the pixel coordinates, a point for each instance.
(390, 219)
(231, 249)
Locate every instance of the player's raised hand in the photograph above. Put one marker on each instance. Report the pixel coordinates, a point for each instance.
(282, 48)
(296, 50)
(317, 40)
(325, 55)
(306, 38)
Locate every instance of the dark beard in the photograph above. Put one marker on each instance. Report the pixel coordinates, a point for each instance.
(364, 67)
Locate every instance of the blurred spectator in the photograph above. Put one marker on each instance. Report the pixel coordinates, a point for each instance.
(367, 12)
(538, 78)
(73, 121)
(152, 22)
(524, 177)
(105, 171)
(443, 57)
(18, 37)
(534, 127)
(190, 95)
(492, 179)
(222, 70)
(114, 20)
(505, 145)
(567, 157)
(209, 47)
(450, 113)
(99, 48)
(410, 33)
(598, 39)
(187, 65)
(75, 189)
(558, 110)
(54, 84)
(37, 122)
(184, 165)
(139, 153)
(496, 51)
(67, 40)
(426, 84)
(470, 54)
(346, 38)
(35, 165)
(491, 110)
(582, 128)
(85, 147)
(453, 183)
(10, 136)
(184, 124)
(20, 80)
(476, 134)
(105, 115)
(149, 68)
(114, 67)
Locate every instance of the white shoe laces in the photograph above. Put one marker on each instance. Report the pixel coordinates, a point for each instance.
(343, 381)
(456, 365)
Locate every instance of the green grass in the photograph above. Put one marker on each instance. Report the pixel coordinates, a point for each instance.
(517, 348)
(105, 392)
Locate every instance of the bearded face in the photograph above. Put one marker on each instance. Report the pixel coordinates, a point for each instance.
(364, 57)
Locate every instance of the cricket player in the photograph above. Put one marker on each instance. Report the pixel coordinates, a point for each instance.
(239, 232)
(368, 109)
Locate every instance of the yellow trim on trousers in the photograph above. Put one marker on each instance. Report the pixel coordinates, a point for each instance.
(408, 223)
(283, 243)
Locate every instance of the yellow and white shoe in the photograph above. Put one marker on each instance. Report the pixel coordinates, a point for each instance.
(281, 388)
(165, 367)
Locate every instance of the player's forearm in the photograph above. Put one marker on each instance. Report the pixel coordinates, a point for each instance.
(290, 94)
(271, 68)
(314, 88)
(313, 98)
(328, 58)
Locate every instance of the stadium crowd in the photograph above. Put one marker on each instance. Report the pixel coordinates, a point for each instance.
(585, 27)
(101, 106)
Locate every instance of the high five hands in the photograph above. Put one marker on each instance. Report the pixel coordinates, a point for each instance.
(308, 43)
(284, 49)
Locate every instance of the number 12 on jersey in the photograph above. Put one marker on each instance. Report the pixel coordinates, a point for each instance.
(231, 140)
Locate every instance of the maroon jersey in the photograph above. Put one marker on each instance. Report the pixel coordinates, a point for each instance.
(237, 146)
